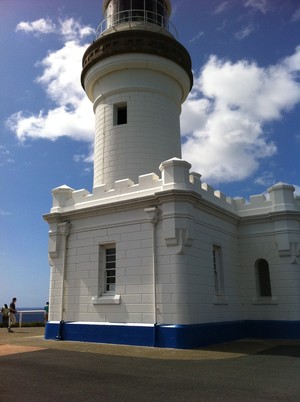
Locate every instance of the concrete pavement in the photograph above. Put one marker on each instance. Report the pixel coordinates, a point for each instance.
(247, 370)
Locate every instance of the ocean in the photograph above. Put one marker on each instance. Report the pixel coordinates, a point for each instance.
(31, 317)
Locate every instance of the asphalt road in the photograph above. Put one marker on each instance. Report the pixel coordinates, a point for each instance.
(67, 372)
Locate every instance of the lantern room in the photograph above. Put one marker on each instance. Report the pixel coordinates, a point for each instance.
(146, 11)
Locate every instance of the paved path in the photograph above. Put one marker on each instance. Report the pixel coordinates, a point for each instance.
(35, 370)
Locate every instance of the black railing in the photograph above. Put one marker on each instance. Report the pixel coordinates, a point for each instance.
(136, 15)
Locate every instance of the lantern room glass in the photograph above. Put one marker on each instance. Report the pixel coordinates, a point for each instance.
(149, 11)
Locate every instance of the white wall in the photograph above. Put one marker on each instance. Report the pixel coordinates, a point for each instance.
(189, 224)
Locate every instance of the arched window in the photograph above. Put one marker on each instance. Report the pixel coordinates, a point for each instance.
(263, 278)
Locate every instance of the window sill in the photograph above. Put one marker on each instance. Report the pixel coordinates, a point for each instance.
(264, 300)
(220, 299)
(106, 299)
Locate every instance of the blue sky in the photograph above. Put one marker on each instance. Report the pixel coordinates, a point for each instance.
(240, 125)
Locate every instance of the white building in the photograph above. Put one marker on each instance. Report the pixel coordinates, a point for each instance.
(153, 256)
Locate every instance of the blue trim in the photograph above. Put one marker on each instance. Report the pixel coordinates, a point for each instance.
(273, 329)
(115, 334)
(172, 336)
(198, 335)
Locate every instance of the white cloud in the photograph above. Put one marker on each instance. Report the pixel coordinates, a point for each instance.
(265, 179)
(292, 63)
(258, 5)
(4, 213)
(72, 113)
(197, 37)
(246, 31)
(69, 29)
(5, 156)
(41, 26)
(296, 15)
(85, 158)
(223, 7)
(223, 119)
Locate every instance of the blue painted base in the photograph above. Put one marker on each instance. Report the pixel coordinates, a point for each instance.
(171, 336)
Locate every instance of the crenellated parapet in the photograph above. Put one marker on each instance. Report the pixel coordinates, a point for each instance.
(176, 175)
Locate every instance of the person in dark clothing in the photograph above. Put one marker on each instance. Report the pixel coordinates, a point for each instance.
(12, 314)
(5, 316)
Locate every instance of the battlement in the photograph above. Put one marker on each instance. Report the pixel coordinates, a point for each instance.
(175, 175)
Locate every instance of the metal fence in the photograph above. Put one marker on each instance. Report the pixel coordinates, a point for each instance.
(135, 16)
(20, 314)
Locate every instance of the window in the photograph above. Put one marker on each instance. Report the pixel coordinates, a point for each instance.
(110, 269)
(107, 276)
(263, 278)
(107, 269)
(218, 270)
(120, 114)
(153, 11)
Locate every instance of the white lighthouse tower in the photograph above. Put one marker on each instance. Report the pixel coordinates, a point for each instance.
(152, 256)
(137, 76)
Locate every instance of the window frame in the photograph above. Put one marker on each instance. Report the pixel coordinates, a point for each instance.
(110, 269)
(105, 295)
(119, 119)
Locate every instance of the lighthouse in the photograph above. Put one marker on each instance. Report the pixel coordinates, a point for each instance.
(152, 256)
(137, 75)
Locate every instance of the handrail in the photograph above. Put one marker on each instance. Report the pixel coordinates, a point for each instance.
(26, 312)
(21, 312)
(136, 15)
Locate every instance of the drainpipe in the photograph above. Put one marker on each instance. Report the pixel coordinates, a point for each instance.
(153, 214)
(64, 229)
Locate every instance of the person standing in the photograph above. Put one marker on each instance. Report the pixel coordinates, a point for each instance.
(12, 314)
(46, 312)
(5, 316)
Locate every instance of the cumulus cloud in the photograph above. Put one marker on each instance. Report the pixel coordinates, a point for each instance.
(69, 29)
(223, 119)
(72, 113)
(41, 26)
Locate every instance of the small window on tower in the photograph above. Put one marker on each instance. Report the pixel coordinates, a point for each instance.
(120, 114)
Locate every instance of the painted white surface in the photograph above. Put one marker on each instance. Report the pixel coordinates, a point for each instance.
(192, 218)
(153, 89)
(137, 167)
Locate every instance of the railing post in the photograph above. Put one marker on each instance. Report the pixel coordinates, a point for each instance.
(20, 318)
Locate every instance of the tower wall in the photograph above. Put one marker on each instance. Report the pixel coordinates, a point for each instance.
(153, 101)
(148, 74)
